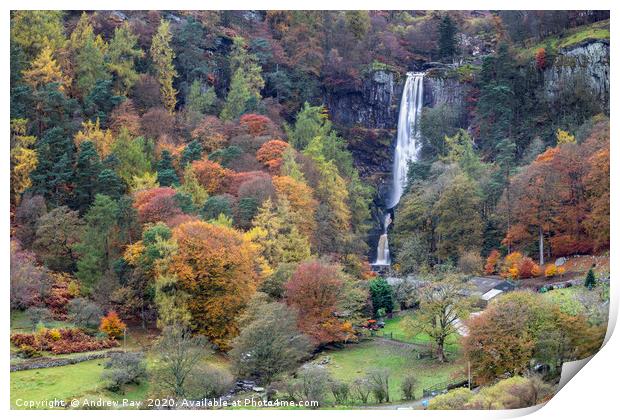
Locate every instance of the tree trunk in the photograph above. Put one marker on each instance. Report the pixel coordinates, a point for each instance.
(441, 356)
(541, 249)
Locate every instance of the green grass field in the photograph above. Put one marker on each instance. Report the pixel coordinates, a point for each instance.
(82, 380)
(396, 328)
(21, 324)
(355, 360)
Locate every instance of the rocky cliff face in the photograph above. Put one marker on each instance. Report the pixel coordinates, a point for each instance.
(374, 105)
(440, 90)
(367, 118)
(587, 62)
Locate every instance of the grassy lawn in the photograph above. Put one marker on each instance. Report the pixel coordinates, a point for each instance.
(60, 382)
(81, 381)
(21, 324)
(396, 327)
(355, 360)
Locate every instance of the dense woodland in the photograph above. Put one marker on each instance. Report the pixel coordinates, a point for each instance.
(178, 172)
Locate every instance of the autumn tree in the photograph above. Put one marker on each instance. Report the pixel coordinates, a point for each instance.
(598, 193)
(504, 337)
(441, 305)
(44, 70)
(33, 30)
(210, 174)
(121, 55)
(279, 240)
(215, 266)
(303, 205)
(102, 139)
(270, 154)
(210, 133)
(112, 325)
(549, 202)
(23, 159)
(156, 205)
(162, 56)
(314, 290)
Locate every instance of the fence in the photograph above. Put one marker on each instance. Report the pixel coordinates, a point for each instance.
(442, 387)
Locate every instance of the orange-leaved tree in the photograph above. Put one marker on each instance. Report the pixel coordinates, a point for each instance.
(270, 154)
(112, 325)
(156, 205)
(215, 266)
(211, 175)
(315, 289)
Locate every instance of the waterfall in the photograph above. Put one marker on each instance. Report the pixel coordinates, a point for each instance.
(383, 250)
(406, 150)
(408, 138)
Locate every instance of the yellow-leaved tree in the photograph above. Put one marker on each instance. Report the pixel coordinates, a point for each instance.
(162, 56)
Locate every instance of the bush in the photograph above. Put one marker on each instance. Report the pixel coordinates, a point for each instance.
(209, 382)
(72, 340)
(340, 391)
(379, 380)
(362, 388)
(470, 263)
(54, 334)
(84, 313)
(492, 260)
(37, 315)
(28, 352)
(313, 382)
(30, 283)
(408, 387)
(123, 369)
(550, 270)
(453, 400)
(527, 267)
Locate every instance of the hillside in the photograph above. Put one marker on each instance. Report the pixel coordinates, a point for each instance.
(229, 204)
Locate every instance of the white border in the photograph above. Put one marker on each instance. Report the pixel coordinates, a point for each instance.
(590, 395)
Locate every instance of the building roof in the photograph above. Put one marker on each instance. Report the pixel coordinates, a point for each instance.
(484, 284)
(505, 286)
(491, 294)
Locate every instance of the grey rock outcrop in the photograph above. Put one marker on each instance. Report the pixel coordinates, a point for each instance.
(587, 62)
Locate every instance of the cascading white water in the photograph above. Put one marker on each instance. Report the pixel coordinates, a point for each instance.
(383, 250)
(408, 138)
(407, 147)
